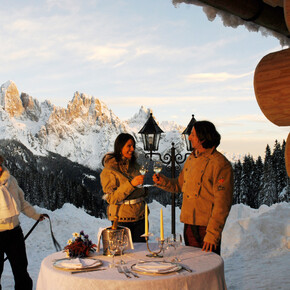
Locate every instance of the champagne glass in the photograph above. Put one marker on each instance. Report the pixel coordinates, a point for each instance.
(123, 243)
(144, 167)
(113, 248)
(143, 170)
(175, 241)
(163, 247)
(157, 167)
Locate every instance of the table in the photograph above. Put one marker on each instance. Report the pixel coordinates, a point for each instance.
(207, 272)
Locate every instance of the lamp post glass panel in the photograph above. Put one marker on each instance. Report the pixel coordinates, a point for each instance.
(151, 133)
(187, 132)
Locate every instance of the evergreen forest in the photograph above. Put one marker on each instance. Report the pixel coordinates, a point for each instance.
(52, 181)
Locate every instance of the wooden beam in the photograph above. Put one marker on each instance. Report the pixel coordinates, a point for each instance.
(287, 155)
(255, 11)
(287, 13)
(272, 86)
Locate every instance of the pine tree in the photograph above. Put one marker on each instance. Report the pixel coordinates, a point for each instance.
(248, 181)
(268, 192)
(237, 198)
(259, 180)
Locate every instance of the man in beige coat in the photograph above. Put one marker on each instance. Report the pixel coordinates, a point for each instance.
(206, 182)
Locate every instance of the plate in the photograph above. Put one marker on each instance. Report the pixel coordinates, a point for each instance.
(90, 263)
(156, 268)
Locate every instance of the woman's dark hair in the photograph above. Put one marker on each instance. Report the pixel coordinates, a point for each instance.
(207, 134)
(120, 142)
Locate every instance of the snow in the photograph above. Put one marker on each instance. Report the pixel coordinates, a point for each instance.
(255, 243)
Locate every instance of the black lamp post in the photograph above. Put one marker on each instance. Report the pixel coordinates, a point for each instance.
(187, 132)
(151, 136)
(151, 133)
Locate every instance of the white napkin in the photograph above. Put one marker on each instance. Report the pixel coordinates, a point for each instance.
(78, 263)
(155, 267)
(71, 263)
(127, 231)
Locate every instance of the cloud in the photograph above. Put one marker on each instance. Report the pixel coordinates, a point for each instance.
(134, 101)
(250, 118)
(214, 77)
(105, 54)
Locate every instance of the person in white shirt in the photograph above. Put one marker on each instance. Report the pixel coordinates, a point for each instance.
(12, 244)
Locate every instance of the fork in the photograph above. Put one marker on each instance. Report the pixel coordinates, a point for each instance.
(120, 270)
(130, 272)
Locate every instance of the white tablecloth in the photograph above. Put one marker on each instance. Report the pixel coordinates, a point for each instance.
(207, 273)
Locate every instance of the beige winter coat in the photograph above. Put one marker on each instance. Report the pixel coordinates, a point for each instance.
(10, 183)
(206, 182)
(115, 180)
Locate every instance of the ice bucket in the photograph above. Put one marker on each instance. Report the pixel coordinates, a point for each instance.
(109, 234)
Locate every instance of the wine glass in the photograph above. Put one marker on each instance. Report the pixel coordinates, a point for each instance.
(113, 248)
(163, 247)
(175, 241)
(123, 243)
(144, 167)
(157, 167)
(143, 170)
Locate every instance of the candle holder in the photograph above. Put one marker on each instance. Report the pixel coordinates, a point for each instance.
(153, 254)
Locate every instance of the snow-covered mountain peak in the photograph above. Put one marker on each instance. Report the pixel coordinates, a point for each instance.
(10, 100)
(139, 119)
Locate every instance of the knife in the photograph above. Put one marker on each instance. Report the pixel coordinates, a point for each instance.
(87, 270)
(184, 267)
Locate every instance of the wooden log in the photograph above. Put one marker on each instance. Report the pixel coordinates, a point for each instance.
(287, 13)
(272, 86)
(255, 11)
(287, 155)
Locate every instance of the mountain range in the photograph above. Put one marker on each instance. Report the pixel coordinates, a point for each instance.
(83, 132)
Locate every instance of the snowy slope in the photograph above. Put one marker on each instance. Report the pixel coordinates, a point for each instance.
(255, 244)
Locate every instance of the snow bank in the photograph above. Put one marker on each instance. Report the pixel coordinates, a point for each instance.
(255, 244)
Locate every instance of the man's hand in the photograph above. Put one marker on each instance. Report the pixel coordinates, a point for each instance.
(208, 247)
(158, 179)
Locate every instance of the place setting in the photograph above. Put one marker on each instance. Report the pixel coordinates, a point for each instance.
(155, 267)
(158, 267)
(79, 255)
(78, 265)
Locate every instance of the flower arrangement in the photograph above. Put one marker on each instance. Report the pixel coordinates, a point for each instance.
(80, 246)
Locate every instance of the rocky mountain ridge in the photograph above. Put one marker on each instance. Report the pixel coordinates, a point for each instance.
(83, 132)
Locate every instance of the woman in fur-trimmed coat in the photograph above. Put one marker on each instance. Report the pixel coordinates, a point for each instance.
(120, 179)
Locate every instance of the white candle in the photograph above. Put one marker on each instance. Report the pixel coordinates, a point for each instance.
(146, 219)
(161, 225)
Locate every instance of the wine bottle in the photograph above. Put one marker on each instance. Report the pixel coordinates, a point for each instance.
(115, 223)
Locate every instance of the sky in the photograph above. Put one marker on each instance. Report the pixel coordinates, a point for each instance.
(255, 242)
(132, 53)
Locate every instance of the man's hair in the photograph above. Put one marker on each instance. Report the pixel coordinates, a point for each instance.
(2, 159)
(207, 134)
